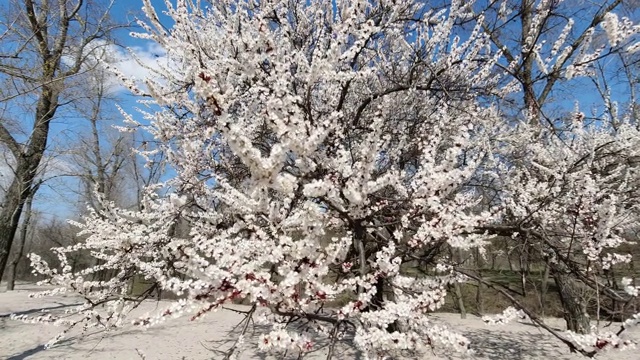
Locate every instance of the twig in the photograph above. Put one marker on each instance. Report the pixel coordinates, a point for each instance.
(530, 314)
(246, 321)
(334, 340)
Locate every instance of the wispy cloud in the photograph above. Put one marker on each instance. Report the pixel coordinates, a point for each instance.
(137, 62)
(134, 63)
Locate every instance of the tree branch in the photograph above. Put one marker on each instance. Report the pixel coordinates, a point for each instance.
(573, 347)
(10, 141)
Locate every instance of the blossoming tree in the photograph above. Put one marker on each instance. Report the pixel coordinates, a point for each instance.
(326, 150)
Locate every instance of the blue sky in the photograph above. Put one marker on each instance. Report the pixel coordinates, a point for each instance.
(54, 200)
(56, 204)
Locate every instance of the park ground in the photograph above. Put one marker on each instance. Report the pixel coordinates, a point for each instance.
(184, 339)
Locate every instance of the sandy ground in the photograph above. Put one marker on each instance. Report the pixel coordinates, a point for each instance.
(182, 339)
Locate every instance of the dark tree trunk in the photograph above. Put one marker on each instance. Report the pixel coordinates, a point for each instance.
(460, 300)
(377, 303)
(13, 266)
(479, 289)
(457, 256)
(10, 214)
(573, 304)
(27, 165)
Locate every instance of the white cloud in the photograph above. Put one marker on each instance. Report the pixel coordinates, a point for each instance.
(135, 63)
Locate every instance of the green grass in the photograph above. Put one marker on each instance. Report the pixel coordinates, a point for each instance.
(140, 286)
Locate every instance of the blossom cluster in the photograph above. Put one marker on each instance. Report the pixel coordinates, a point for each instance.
(509, 314)
(326, 157)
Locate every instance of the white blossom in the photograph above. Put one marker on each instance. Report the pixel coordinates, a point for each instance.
(321, 148)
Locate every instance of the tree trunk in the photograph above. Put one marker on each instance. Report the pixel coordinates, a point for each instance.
(11, 279)
(479, 299)
(544, 286)
(508, 254)
(10, 217)
(524, 269)
(456, 286)
(460, 300)
(28, 161)
(26, 171)
(479, 289)
(574, 306)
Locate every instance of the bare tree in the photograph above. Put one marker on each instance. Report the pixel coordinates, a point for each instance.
(104, 154)
(45, 45)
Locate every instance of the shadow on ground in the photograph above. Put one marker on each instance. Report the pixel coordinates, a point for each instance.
(58, 306)
(27, 353)
(343, 349)
(499, 345)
